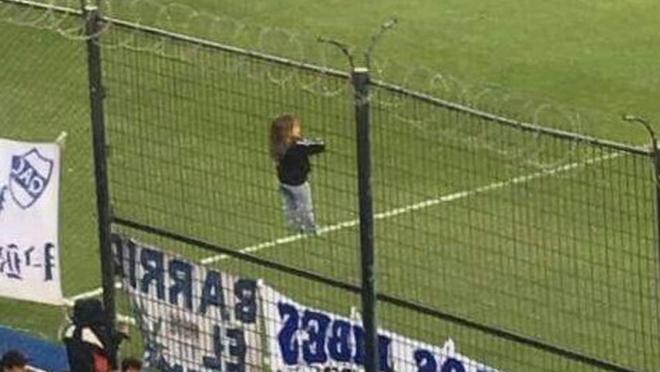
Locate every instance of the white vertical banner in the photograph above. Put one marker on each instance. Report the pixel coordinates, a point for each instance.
(29, 221)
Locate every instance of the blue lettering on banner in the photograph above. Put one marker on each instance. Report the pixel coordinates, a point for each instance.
(245, 291)
(316, 326)
(452, 365)
(212, 292)
(11, 262)
(215, 362)
(49, 261)
(172, 280)
(339, 346)
(156, 271)
(152, 264)
(325, 340)
(427, 361)
(289, 345)
(125, 266)
(384, 352)
(3, 198)
(16, 260)
(237, 350)
(181, 274)
(306, 337)
(359, 345)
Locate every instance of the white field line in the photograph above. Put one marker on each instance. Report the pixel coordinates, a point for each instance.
(417, 206)
(395, 212)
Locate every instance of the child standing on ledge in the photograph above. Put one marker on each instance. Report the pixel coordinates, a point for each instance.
(291, 152)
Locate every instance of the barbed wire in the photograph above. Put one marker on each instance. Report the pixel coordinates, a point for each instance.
(285, 43)
(530, 148)
(58, 17)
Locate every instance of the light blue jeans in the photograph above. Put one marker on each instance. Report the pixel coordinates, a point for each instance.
(298, 207)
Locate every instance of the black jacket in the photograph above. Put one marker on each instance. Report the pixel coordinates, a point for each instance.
(89, 337)
(293, 167)
(84, 345)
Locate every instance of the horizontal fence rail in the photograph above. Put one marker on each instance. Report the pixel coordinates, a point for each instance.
(528, 247)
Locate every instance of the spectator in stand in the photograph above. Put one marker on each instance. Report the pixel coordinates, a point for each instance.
(90, 344)
(13, 361)
(131, 365)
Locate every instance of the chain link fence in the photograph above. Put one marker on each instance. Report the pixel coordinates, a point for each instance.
(530, 248)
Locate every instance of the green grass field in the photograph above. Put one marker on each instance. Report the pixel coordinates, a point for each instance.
(564, 254)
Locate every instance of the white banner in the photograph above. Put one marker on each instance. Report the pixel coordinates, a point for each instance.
(29, 221)
(306, 339)
(192, 318)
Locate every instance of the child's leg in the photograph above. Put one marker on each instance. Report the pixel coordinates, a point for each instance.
(290, 207)
(306, 208)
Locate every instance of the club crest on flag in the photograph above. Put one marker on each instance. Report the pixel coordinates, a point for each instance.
(29, 177)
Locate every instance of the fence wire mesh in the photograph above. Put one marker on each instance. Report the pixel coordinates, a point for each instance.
(189, 143)
(515, 243)
(538, 235)
(510, 228)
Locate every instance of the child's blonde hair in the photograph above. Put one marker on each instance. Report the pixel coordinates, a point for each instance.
(281, 135)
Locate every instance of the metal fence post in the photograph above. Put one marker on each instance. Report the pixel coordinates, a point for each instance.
(656, 168)
(361, 80)
(96, 94)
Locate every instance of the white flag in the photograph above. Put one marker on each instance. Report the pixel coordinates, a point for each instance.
(29, 221)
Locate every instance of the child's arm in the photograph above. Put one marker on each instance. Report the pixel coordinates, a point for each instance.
(311, 146)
